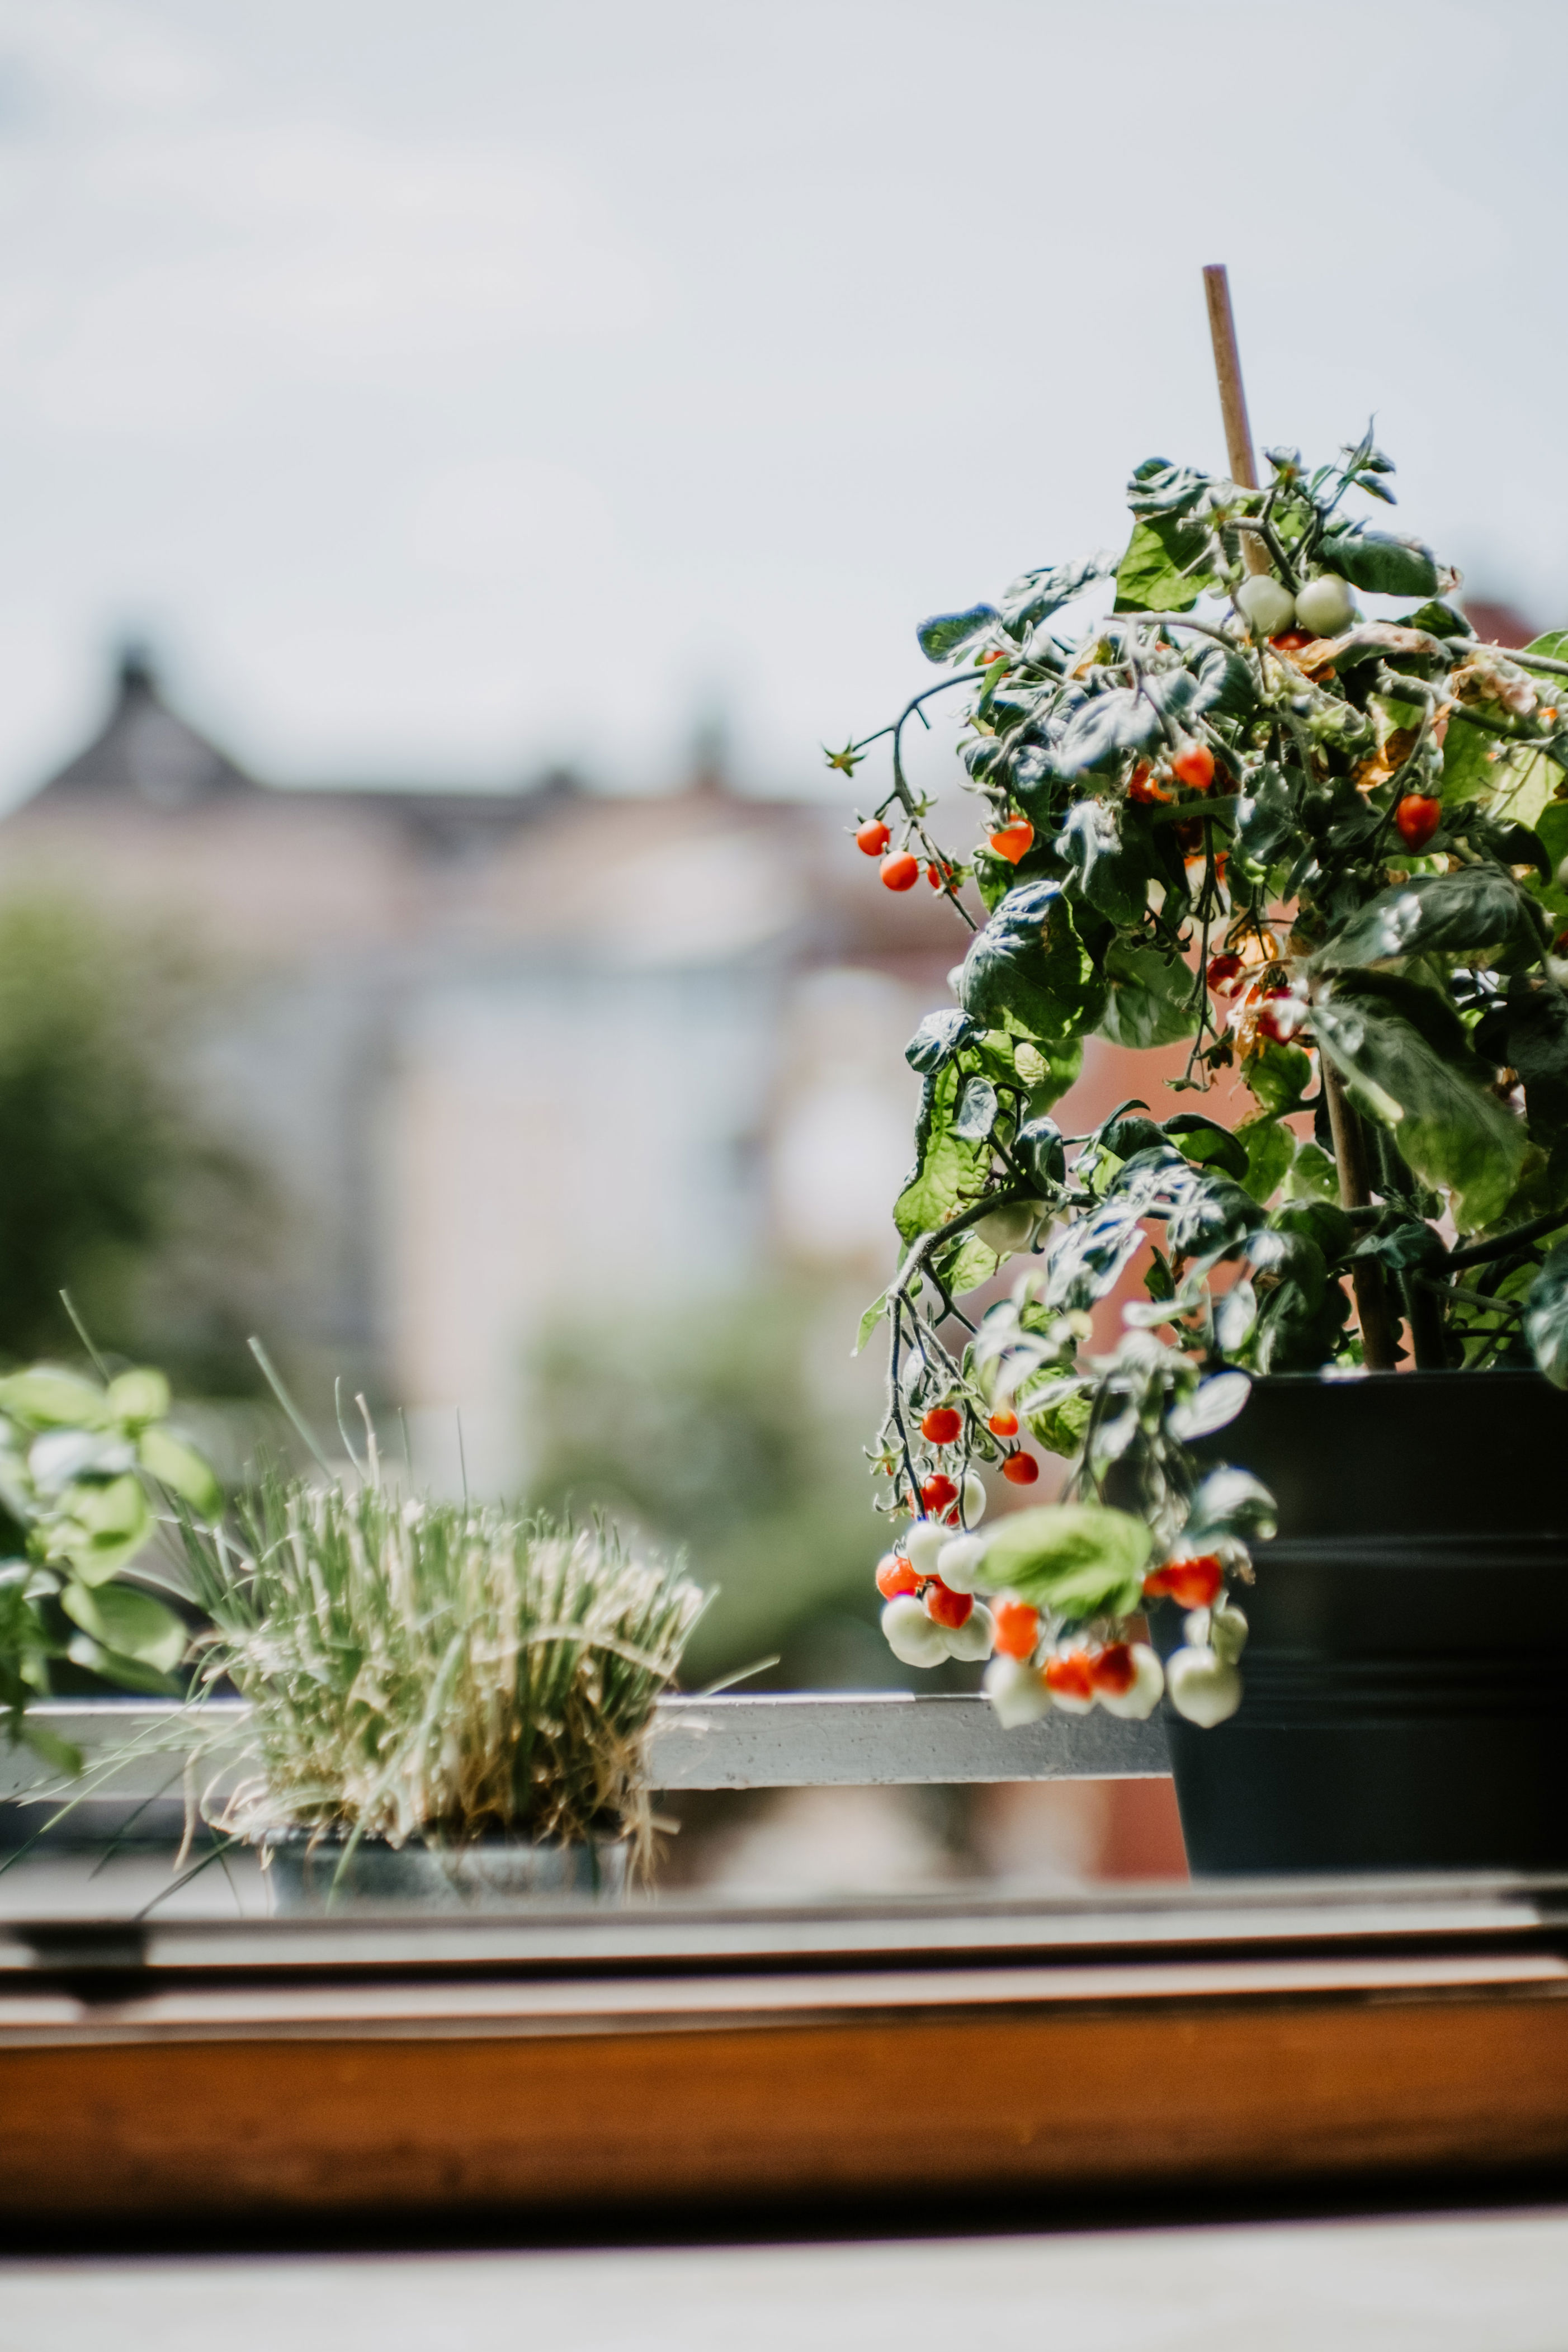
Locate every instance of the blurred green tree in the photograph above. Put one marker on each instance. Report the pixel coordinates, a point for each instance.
(112, 1185)
(720, 1427)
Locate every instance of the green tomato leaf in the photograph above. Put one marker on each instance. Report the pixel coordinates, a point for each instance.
(976, 1113)
(1151, 999)
(1232, 1503)
(1431, 914)
(1270, 1150)
(1081, 1559)
(1546, 1316)
(1028, 965)
(938, 1038)
(947, 1167)
(1113, 873)
(950, 634)
(1450, 1129)
(1380, 564)
(1312, 1175)
(1168, 565)
(1060, 1427)
(1277, 1076)
(1207, 1144)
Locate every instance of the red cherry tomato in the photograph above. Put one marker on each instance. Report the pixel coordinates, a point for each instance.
(873, 838)
(1194, 767)
(1112, 1669)
(1290, 641)
(1280, 1016)
(947, 1608)
(1143, 787)
(1222, 971)
(1017, 1628)
(894, 1575)
(1014, 839)
(1191, 1583)
(942, 1424)
(939, 877)
(1021, 1468)
(1070, 1673)
(1003, 1423)
(1417, 819)
(900, 872)
(987, 659)
(937, 1493)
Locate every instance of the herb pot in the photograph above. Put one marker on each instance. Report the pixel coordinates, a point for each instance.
(308, 1872)
(1406, 1676)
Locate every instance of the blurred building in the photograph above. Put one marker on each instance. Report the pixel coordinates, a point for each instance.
(507, 1052)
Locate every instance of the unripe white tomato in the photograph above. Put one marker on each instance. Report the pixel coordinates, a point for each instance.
(1202, 1686)
(976, 1638)
(958, 1562)
(1326, 604)
(1227, 1633)
(910, 1634)
(1015, 1691)
(1265, 605)
(974, 1499)
(1006, 1230)
(1142, 1697)
(924, 1544)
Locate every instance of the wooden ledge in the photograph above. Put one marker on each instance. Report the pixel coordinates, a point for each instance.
(552, 2065)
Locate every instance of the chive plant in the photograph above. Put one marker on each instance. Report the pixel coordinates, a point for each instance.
(429, 1669)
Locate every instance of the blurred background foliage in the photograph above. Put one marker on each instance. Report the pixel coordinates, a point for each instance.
(113, 1183)
(731, 1430)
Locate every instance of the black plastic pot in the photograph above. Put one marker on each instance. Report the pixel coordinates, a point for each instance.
(1406, 1677)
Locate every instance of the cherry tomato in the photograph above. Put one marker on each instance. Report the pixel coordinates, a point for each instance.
(987, 659)
(942, 1424)
(1189, 834)
(1017, 1628)
(1222, 971)
(1112, 1669)
(1279, 1016)
(1014, 839)
(937, 1493)
(1022, 1469)
(1191, 1583)
(945, 1607)
(1143, 787)
(901, 872)
(1290, 641)
(1194, 767)
(873, 838)
(1003, 1423)
(1417, 819)
(894, 1575)
(1071, 1672)
(939, 877)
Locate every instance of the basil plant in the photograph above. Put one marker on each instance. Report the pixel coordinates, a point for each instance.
(1256, 788)
(83, 1465)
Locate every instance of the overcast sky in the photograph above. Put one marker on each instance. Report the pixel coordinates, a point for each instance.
(447, 387)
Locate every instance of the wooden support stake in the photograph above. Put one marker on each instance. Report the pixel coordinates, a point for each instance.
(1232, 401)
(1379, 1329)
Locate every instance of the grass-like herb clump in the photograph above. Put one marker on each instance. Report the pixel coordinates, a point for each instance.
(442, 1670)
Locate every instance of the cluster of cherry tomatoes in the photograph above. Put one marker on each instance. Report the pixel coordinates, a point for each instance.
(944, 1426)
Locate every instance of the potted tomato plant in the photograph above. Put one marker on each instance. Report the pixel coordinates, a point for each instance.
(1259, 787)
